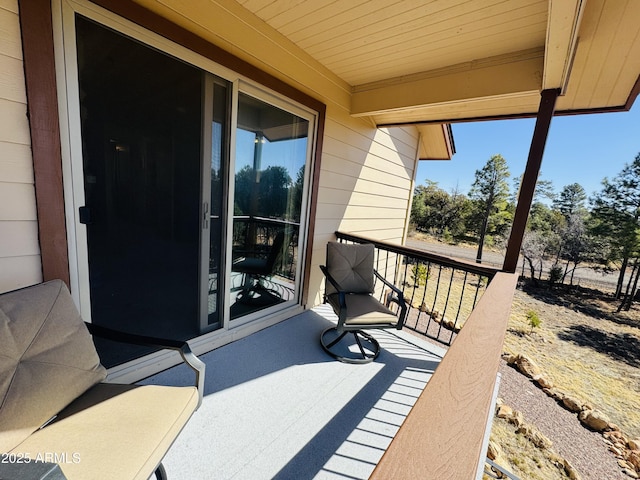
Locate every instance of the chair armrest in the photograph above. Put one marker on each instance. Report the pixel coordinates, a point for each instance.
(181, 347)
(336, 285)
(398, 299)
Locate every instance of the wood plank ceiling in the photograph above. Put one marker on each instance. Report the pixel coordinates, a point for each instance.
(443, 60)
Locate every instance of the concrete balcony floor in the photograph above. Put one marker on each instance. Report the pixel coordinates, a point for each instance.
(276, 406)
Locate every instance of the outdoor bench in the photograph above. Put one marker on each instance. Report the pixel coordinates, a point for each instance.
(56, 408)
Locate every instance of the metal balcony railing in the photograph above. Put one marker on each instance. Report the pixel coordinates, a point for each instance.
(441, 292)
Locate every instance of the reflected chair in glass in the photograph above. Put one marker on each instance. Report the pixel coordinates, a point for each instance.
(349, 289)
(257, 269)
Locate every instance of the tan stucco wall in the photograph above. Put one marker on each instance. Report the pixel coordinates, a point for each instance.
(19, 247)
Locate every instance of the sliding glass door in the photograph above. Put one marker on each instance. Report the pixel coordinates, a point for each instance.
(188, 190)
(271, 152)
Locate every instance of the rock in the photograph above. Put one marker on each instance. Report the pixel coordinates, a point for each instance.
(633, 458)
(624, 464)
(504, 411)
(571, 471)
(494, 450)
(527, 366)
(594, 419)
(510, 358)
(543, 382)
(540, 440)
(615, 450)
(535, 436)
(516, 419)
(572, 404)
(630, 473)
(554, 393)
(634, 444)
(615, 435)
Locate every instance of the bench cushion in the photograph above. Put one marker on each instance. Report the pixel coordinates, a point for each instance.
(47, 359)
(115, 431)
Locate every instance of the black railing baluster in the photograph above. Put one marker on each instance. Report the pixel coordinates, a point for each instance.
(421, 267)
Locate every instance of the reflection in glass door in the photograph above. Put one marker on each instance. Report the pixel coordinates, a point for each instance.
(271, 153)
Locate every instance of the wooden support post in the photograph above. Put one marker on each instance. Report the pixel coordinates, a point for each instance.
(530, 177)
(40, 79)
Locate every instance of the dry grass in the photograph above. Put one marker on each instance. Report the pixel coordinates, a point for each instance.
(522, 457)
(450, 293)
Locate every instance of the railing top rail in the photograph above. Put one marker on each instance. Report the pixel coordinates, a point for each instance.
(422, 255)
(443, 435)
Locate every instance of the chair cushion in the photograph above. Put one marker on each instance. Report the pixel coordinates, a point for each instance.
(115, 431)
(351, 265)
(364, 310)
(47, 359)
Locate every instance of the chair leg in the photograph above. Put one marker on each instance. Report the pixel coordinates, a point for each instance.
(161, 473)
(332, 347)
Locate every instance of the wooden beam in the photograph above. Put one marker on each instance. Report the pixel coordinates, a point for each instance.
(40, 78)
(530, 177)
(563, 25)
(442, 437)
(496, 77)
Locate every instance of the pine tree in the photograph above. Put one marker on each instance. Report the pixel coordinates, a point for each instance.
(616, 211)
(490, 191)
(571, 200)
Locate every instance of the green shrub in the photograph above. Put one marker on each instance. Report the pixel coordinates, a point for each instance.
(533, 319)
(420, 273)
(555, 275)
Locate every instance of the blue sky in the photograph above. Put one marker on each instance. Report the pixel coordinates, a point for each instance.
(580, 148)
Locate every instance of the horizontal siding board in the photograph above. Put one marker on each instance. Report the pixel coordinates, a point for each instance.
(376, 170)
(14, 126)
(19, 239)
(18, 272)
(12, 80)
(361, 211)
(17, 201)
(10, 44)
(363, 139)
(352, 184)
(16, 164)
(339, 153)
(9, 5)
(328, 197)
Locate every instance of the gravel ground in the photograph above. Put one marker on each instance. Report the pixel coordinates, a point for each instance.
(584, 449)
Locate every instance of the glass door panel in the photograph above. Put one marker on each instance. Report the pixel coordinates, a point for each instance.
(217, 179)
(271, 153)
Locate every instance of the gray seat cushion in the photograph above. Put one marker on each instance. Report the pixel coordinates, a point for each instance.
(364, 310)
(47, 359)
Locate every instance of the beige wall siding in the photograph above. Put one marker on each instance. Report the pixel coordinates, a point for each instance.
(365, 185)
(19, 248)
